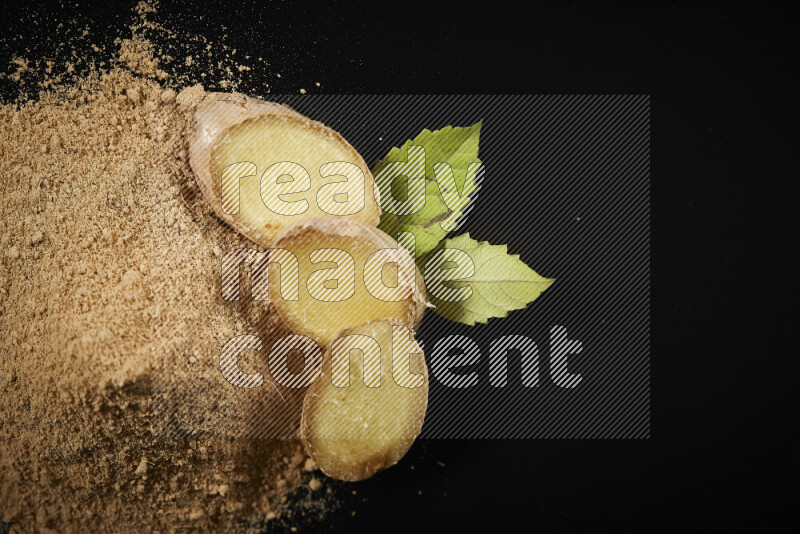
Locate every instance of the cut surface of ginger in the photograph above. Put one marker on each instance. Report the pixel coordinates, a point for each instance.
(291, 154)
(354, 431)
(333, 293)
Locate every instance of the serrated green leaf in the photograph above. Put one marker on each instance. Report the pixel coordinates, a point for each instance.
(458, 147)
(501, 282)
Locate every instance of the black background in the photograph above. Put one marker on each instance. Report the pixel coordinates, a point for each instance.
(724, 153)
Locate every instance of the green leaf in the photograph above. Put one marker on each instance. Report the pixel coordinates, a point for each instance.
(457, 147)
(500, 283)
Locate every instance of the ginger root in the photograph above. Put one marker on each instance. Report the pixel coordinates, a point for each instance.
(367, 408)
(263, 166)
(349, 273)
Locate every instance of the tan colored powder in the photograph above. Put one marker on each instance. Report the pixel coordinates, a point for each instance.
(109, 273)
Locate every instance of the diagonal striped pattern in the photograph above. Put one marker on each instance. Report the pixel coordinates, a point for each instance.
(414, 170)
(400, 271)
(403, 348)
(236, 261)
(481, 173)
(498, 360)
(230, 273)
(355, 346)
(565, 183)
(335, 283)
(390, 411)
(229, 186)
(279, 367)
(272, 187)
(456, 200)
(437, 274)
(229, 362)
(345, 196)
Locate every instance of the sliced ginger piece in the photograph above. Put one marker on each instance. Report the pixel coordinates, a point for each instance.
(340, 285)
(360, 417)
(261, 166)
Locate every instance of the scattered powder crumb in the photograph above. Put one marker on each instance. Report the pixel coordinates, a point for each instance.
(142, 468)
(168, 96)
(191, 96)
(22, 68)
(138, 55)
(310, 465)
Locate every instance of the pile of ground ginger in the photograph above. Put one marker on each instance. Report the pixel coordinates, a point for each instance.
(109, 273)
